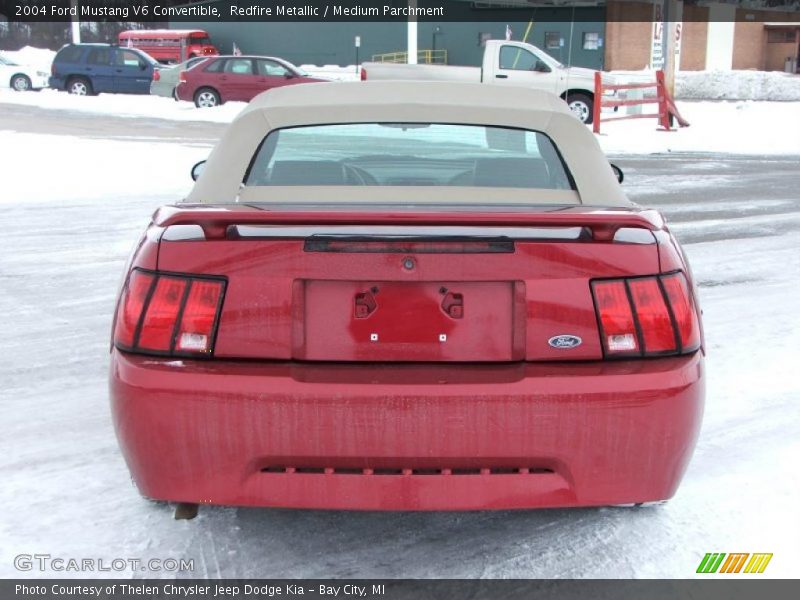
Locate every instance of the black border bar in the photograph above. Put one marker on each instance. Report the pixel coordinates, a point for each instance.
(731, 588)
(208, 11)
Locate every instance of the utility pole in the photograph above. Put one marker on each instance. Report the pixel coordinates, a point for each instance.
(671, 18)
(76, 23)
(411, 37)
(673, 13)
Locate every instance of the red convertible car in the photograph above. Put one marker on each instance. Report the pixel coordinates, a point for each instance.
(236, 78)
(407, 296)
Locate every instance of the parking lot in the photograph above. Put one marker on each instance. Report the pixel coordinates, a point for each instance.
(77, 191)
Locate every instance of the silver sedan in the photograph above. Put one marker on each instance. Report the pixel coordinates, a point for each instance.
(166, 80)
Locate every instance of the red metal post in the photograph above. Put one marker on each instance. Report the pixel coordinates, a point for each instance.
(598, 100)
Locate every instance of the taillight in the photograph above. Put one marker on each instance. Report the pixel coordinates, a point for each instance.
(161, 314)
(156, 75)
(199, 316)
(646, 316)
(182, 77)
(363, 74)
(683, 310)
(168, 314)
(134, 297)
(616, 318)
(651, 309)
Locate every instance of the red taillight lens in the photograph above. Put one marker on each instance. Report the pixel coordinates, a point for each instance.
(646, 316)
(161, 315)
(182, 77)
(684, 311)
(363, 74)
(199, 315)
(168, 314)
(653, 315)
(130, 308)
(156, 75)
(617, 326)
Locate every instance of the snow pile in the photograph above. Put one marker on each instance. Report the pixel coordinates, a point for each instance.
(334, 72)
(720, 85)
(726, 127)
(124, 105)
(738, 85)
(34, 57)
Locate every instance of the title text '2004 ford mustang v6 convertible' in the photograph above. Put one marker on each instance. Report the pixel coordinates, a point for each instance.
(407, 296)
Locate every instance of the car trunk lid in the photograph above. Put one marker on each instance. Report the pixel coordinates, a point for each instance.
(408, 286)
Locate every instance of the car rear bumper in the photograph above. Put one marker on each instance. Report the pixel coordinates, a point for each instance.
(57, 83)
(407, 437)
(182, 92)
(163, 88)
(39, 81)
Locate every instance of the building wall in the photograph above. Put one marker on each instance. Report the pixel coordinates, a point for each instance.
(710, 38)
(751, 50)
(749, 45)
(333, 43)
(694, 38)
(776, 54)
(629, 30)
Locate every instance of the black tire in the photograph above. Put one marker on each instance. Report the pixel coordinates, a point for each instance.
(79, 86)
(207, 97)
(175, 93)
(20, 83)
(582, 106)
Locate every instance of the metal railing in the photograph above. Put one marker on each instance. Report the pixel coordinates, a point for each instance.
(427, 57)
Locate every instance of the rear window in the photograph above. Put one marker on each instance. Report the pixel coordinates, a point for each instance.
(69, 54)
(408, 154)
(216, 66)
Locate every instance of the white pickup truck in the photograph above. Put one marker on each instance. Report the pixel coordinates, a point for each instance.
(505, 63)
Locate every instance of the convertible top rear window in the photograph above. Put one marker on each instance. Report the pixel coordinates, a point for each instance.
(408, 154)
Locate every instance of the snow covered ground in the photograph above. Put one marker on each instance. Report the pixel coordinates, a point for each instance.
(124, 105)
(731, 127)
(72, 208)
(728, 127)
(774, 86)
(736, 128)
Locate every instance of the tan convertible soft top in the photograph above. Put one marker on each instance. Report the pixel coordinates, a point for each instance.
(395, 101)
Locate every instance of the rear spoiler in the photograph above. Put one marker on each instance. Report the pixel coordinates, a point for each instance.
(215, 220)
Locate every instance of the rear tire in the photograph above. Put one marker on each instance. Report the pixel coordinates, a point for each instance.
(79, 86)
(206, 98)
(582, 106)
(21, 83)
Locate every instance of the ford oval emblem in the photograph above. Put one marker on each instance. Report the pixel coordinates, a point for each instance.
(565, 341)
